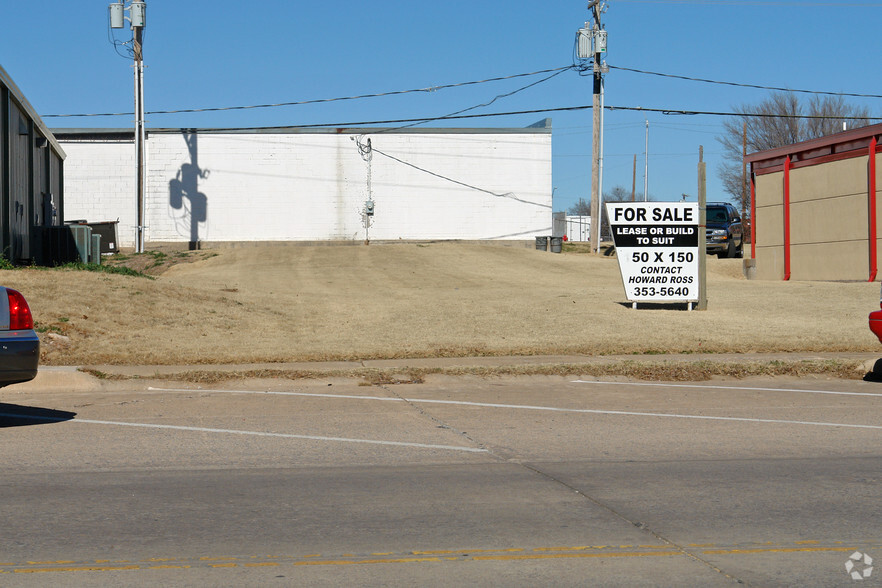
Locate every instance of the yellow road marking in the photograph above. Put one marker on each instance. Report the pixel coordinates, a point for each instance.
(78, 569)
(577, 548)
(449, 552)
(339, 562)
(434, 556)
(775, 550)
(577, 555)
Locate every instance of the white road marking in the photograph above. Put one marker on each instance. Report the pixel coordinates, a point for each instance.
(545, 408)
(272, 393)
(252, 433)
(739, 388)
(649, 414)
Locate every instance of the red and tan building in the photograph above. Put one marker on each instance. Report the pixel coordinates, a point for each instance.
(814, 209)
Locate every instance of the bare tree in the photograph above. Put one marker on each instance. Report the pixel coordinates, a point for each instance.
(616, 194)
(580, 208)
(779, 120)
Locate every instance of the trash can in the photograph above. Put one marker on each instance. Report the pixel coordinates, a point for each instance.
(556, 244)
(107, 230)
(542, 243)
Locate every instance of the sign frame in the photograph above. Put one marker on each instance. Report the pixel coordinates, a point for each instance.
(657, 250)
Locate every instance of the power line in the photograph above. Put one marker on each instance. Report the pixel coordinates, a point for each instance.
(557, 70)
(495, 98)
(663, 111)
(793, 4)
(743, 85)
(510, 195)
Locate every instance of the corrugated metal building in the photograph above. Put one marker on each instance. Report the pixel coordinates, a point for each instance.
(815, 208)
(31, 177)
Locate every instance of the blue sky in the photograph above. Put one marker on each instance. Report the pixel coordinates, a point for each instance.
(223, 53)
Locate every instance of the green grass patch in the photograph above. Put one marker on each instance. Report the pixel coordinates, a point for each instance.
(102, 268)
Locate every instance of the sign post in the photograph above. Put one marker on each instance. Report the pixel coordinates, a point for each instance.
(657, 248)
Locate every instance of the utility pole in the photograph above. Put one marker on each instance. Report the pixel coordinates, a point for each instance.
(138, 19)
(139, 129)
(634, 179)
(702, 231)
(744, 174)
(599, 46)
(646, 164)
(591, 43)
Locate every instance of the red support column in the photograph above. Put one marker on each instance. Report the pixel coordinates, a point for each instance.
(871, 172)
(787, 218)
(752, 215)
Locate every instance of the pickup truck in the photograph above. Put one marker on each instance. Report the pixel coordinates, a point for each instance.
(725, 236)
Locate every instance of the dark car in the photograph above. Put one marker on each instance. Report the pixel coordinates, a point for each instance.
(725, 236)
(19, 345)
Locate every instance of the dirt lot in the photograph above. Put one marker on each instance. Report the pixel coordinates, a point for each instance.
(282, 303)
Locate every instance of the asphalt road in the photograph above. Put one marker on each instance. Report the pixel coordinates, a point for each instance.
(457, 481)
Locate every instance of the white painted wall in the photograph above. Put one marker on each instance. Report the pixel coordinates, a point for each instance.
(312, 186)
(100, 177)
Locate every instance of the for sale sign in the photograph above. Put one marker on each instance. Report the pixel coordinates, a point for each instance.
(657, 248)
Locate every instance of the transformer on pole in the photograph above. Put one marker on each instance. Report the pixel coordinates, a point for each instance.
(592, 45)
(138, 19)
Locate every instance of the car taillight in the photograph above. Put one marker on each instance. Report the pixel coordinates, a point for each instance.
(19, 312)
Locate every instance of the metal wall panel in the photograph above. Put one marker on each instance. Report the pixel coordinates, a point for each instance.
(4, 169)
(31, 183)
(19, 182)
(56, 186)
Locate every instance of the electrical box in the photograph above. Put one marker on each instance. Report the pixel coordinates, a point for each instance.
(584, 40)
(139, 14)
(117, 19)
(81, 237)
(600, 41)
(369, 208)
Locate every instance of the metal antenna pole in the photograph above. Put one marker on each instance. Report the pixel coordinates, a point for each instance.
(138, 17)
(646, 164)
(139, 133)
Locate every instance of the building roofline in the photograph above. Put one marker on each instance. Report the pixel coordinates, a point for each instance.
(542, 127)
(19, 96)
(839, 144)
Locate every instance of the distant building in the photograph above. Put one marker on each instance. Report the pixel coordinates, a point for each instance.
(314, 184)
(31, 177)
(814, 208)
(578, 228)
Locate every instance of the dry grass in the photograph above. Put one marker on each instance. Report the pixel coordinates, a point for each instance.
(680, 371)
(297, 303)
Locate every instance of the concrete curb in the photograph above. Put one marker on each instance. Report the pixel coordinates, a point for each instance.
(164, 371)
(72, 378)
(56, 377)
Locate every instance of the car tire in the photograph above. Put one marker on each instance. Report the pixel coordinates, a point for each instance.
(732, 251)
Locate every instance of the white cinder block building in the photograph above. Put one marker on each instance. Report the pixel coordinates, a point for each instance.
(313, 185)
